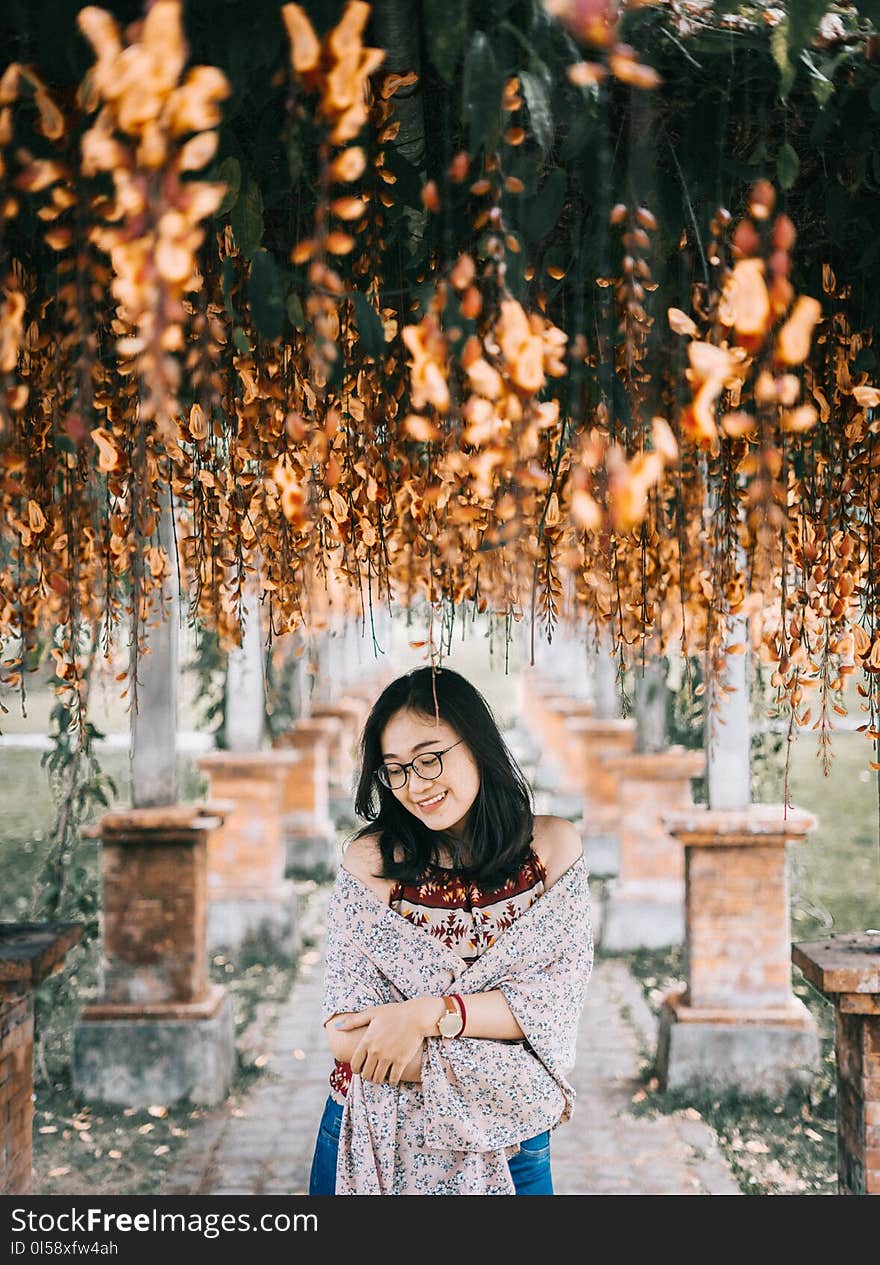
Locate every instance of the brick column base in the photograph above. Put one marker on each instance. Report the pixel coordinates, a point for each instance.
(161, 1031)
(846, 969)
(597, 738)
(737, 1023)
(248, 894)
(643, 908)
(309, 832)
(28, 953)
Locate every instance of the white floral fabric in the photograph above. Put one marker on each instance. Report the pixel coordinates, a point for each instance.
(478, 1098)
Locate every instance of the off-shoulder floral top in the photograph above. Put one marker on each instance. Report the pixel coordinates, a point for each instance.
(463, 915)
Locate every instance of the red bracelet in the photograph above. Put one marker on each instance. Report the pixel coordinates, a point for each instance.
(456, 998)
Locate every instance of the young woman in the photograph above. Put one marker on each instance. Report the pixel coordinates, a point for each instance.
(445, 891)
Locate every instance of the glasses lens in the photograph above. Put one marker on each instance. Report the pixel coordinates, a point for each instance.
(392, 775)
(428, 765)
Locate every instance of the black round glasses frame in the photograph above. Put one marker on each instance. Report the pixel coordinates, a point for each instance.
(384, 776)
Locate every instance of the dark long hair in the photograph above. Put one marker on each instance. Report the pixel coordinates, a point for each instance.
(499, 829)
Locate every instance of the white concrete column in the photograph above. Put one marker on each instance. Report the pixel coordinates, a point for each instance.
(727, 730)
(154, 722)
(650, 706)
(605, 695)
(245, 687)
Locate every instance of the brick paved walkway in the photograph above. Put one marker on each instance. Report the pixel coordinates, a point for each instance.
(264, 1144)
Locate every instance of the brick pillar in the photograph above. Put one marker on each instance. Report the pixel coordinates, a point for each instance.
(737, 1021)
(558, 711)
(309, 832)
(599, 740)
(28, 953)
(161, 1031)
(248, 894)
(846, 968)
(344, 743)
(541, 723)
(644, 906)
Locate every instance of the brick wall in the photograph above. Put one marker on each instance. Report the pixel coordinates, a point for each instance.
(858, 1103)
(155, 921)
(737, 919)
(16, 1087)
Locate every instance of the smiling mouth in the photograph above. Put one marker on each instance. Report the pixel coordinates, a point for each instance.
(435, 799)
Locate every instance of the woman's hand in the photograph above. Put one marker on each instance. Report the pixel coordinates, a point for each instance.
(393, 1037)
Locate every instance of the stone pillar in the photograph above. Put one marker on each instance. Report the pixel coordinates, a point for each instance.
(727, 731)
(161, 1031)
(600, 741)
(644, 906)
(605, 694)
(28, 953)
(245, 687)
(347, 714)
(309, 832)
(736, 1022)
(248, 894)
(846, 969)
(154, 720)
(651, 696)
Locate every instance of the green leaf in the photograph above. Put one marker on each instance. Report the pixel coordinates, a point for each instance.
(446, 27)
(779, 47)
(787, 165)
(371, 331)
(540, 114)
(481, 94)
(247, 220)
(230, 174)
(264, 295)
(295, 313)
(541, 212)
(240, 342)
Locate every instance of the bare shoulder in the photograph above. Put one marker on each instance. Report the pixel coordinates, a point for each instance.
(363, 858)
(558, 844)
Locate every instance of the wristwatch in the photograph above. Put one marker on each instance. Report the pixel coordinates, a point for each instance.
(452, 1022)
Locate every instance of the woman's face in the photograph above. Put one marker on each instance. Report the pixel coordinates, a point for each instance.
(407, 735)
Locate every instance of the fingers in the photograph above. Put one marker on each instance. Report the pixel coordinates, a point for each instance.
(350, 1022)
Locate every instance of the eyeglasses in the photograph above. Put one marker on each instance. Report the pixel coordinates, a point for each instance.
(428, 765)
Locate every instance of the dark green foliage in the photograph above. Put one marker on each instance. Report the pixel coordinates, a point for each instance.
(369, 324)
(246, 218)
(266, 296)
(717, 122)
(446, 25)
(481, 94)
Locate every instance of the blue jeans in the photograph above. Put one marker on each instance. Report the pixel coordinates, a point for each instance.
(529, 1168)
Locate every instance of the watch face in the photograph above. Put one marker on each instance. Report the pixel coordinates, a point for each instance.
(450, 1025)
